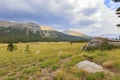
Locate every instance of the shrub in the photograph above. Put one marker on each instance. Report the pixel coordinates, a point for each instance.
(107, 46)
(54, 67)
(104, 46)
(90, 77)
(108, 64)
(27, 49)
(60, 76)
(10, 79)
(88, 57)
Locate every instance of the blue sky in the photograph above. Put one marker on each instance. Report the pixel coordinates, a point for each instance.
(87, 16)
(112, 5)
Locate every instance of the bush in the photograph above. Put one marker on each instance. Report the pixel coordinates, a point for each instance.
(90, 77)
(54, 67)
(108, 64)
(104, 46)
(60, 76)
(107, 46)
(27, 49)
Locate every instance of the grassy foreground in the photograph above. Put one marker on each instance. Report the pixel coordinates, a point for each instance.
(55, 61)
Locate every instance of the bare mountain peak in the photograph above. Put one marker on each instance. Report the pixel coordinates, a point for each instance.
(32, 24)
(20, 25)
(5, 22)
(74, 33)
(46, 28)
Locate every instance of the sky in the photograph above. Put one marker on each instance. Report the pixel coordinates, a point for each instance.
(87, 16)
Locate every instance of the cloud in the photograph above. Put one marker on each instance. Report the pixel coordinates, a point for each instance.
(86, 22)
(112, 5)
(89, 11)
(87, 16)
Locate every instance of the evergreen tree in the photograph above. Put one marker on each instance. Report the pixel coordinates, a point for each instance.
(10, 47)
(117, 10)
(116, 0)
(118, 13)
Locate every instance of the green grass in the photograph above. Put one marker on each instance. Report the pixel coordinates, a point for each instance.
(55, 61)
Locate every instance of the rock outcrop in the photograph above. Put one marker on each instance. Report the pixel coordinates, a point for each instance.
(101, 43)
(90, 67)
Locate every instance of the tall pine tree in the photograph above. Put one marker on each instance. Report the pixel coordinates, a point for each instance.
(117, 10)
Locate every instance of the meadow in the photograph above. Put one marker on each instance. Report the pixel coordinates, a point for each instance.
(56, 61)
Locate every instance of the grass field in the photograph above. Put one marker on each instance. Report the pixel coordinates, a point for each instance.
(55, 61)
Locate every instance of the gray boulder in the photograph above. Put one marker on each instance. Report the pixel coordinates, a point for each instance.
(90, 67)
(98, 43)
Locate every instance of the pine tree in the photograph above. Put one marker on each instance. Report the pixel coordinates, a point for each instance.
(116, 0)
(118, 13)
(10, 47)
(117, 10)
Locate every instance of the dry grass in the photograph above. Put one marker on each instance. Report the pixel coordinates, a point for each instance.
(54, 61)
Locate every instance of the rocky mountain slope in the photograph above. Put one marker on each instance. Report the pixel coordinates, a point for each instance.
(47, 28)
(74, 33)
(32, 32)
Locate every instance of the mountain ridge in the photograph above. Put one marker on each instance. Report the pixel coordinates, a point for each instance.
(32, 32)
(47, 28)
(70, 32)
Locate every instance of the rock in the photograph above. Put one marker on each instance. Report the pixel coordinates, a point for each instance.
(37, 52)
(98, 43)
(90, 67)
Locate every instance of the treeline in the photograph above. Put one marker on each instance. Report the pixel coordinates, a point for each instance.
(15, 35)
(9, 34)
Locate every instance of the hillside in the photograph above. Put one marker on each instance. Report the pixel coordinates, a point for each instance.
(32, 32)
(5, 22)
(75, 33)
(47, 28)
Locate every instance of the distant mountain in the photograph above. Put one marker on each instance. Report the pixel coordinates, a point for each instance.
(32, 32)
(5, 22)
(74, 33)
(47, 28)
(112, 36)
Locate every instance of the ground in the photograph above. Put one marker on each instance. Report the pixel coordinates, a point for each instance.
(56, 61)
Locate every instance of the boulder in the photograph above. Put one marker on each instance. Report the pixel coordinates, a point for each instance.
(98, 43)
(90, 67)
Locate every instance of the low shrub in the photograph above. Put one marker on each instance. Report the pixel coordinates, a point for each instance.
(108, 64)
(104, 46)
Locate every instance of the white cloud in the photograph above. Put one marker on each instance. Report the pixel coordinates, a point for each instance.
(105, 18)
(87, 16)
